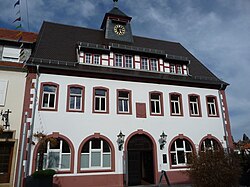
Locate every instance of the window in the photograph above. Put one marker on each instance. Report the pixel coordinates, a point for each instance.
(88, 58)
(144, 63)
(57, 155)
(3, 91)
(194, 105)
(11, 53)
(128, 61)
(181, 151)
(75, 98)
(153, 64)
(124, 102)
(118, 60)
(156, 103)
(172, 68)
(49, 96)
(176, 69)
(210, 144)
(176, 104)
(96, 154)
(100, 100)
(212, 106)
(96, 59)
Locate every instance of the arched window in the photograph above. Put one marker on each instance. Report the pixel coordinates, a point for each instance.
(210, 144)
(95, 154)
(181, 151)
(54, 153)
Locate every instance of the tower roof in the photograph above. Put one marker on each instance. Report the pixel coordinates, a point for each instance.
(115, 12)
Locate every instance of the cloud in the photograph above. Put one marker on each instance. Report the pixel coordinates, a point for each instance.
(216, 32)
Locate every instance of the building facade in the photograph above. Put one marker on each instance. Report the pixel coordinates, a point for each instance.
(12, 87)
(121, 107)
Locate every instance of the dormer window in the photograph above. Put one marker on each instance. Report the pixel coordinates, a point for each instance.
(144, 63)
(153, 64)
(176, 69)
(128, 61)
(88, 58)
(118, 60)
(96, 59)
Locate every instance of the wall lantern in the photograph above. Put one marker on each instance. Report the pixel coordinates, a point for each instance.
(120, 140)
(162, 140)
(5, 118)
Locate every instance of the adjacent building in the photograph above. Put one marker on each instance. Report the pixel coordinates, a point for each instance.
(121, 107)
(12, 87)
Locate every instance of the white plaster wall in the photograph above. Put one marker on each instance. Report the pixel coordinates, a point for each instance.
(78, 126)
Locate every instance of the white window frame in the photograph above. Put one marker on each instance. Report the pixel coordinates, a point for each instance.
(50, 150)
(194, 105)
(172, 69)
(101, 99)
(118, 60)
(175, 104)
(175, 152)
(97, 59)
(49, 97)
(88, 58)
(179, 69)
(154, 103)
(128, 61)
(212, 107)
(154, 64)
(123, 100)
(209, 148)
(100, 150)
(144, 63)
(75, 96)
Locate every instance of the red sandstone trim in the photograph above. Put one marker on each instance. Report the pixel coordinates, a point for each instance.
(180, 102)
(228, 126)
(112, 149)
(209, 136)
(199, 105)
(72, 152)
(140, 131)
(180, 136)
(68, 98)
(129, 101)
(107, 100)
(161, 103)
(216, 106)
(41, 96)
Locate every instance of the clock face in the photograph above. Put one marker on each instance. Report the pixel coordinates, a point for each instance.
(119, 29)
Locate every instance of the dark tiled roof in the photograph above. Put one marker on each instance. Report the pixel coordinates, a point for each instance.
(58, 42)
(12, 35)
(116, 11)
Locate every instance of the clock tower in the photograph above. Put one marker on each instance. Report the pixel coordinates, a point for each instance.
(116, 25)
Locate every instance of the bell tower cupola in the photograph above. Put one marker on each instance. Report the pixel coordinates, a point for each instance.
(116, 25)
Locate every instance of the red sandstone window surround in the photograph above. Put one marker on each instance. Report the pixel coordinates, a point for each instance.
(100, 100)
(175, 104)
(194, 105)
(124, 102)
(212, 106)
(49, 96)
(156, 103)
(75, 98)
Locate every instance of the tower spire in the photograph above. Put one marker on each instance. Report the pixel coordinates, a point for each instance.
(115, 3)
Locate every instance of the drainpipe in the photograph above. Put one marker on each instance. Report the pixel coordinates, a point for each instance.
(20, 165)
(223, 118)
(30, 135)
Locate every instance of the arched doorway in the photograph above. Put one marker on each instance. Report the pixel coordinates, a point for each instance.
(140, 160)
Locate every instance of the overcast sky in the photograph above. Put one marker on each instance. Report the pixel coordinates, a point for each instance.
(217, 32)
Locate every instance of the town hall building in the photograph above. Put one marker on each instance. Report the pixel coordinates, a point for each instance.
(122, 107)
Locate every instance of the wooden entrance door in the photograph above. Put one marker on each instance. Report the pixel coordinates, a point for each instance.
(6, 153)
(140, 161)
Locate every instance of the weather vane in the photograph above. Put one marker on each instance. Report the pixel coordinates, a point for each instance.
(115, 3)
